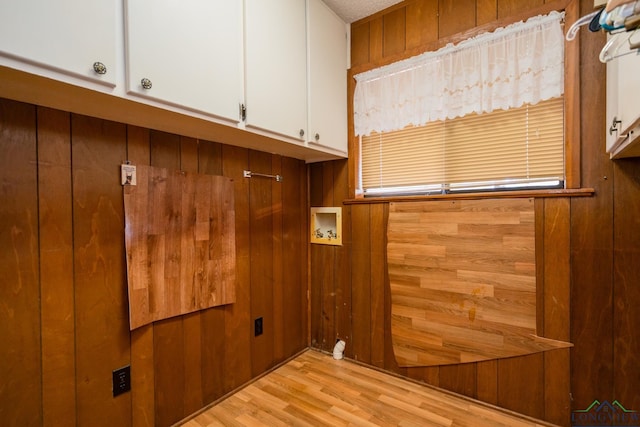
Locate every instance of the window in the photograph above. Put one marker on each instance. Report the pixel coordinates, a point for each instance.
(487, 114)
(518, 148)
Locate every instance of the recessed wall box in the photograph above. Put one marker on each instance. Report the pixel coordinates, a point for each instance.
(326, 225)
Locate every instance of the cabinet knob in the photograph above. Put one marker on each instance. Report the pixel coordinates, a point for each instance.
(146, 83)
(317, 137)
(301, 133)
(99, 68)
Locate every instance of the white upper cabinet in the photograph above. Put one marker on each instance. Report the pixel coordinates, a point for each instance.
(327, 35)
(275, 67)
(186, 53)
(68, 37)
(623, 104)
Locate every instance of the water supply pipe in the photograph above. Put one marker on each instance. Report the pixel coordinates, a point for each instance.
(338, 349)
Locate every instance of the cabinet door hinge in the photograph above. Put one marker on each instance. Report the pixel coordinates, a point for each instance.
(243, 113)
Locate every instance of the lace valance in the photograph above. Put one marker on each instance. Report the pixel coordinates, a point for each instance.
(518, 64)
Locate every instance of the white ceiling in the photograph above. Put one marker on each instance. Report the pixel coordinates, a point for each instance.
(353, 10)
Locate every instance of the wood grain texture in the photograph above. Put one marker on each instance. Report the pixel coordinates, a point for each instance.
(555, 248)
(421, 23)
(455, 16)
(101, 324)
(294, 260)
(66, 330)
(592, 228)
(20, 329)
(627, 276)
(237, 318)
(463, 284)
(261, 261)
(360, 43)
(361, 283)
(394, 32)
(56, 268)
(182, 224)
(313, 389)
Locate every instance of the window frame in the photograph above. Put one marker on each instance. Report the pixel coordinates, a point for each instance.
(571, 95)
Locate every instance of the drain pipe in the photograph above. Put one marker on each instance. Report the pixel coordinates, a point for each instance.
(338, 349)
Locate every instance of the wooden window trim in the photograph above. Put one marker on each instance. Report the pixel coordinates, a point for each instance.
(572, 105)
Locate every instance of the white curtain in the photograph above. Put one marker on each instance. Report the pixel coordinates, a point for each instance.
(518, 64)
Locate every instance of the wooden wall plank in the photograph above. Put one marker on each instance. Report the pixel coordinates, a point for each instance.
(521, 384)
(361, 283)
(328, 255)
(394, 32)
(376, 43)
(422, 23)
(209, 157)
(142, 379)
(168, 335)
(168, 343)
(56, 268)
(626, 317)
(428, 375)
(487, 381)
(360, 41)
(508, 8)
(318, 267)
(592, 240)
(342, 261)
(378, 215)
(486, 11)
(192, 322)
(459, 378)
(212, 325)
(294, 256)
(261, 260)
(238, 327)
(20, 356)
(278, 261)
(456, 16)
(556, 250)
(102, 326)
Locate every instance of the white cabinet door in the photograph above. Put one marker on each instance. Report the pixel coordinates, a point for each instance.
(64, 36)
(623, 103)
(275, 66)
(327, 77)
(188, 53)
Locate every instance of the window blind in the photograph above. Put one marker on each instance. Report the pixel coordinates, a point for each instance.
(516, 147)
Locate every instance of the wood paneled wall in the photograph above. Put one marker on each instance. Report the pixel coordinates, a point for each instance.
(588, 251)
(63, 299)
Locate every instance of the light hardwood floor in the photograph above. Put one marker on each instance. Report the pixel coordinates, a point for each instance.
(313, 389)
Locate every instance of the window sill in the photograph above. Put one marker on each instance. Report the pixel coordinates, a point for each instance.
(578, 192)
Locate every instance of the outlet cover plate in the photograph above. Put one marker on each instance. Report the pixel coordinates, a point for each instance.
(257, 327)
(121, 380)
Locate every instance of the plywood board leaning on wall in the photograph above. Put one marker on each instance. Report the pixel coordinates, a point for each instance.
(180, 242)
(463, 281)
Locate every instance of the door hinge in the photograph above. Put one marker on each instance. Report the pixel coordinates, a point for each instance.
(243, 113)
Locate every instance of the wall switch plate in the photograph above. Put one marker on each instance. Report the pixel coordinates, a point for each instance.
(121, 380)
(257, 327)
(128, 174)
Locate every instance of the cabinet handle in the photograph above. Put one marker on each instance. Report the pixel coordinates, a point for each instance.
(317, 137)
(614, 125)
(301, 133)
(99, 68)
(146, 83)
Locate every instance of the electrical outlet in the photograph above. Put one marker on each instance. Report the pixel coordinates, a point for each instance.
(257, 326)
(121, 380)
